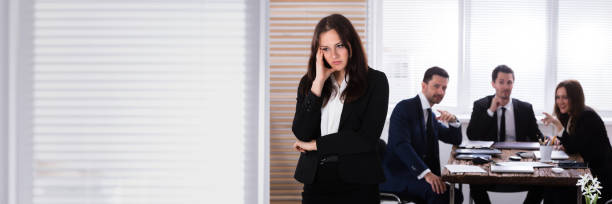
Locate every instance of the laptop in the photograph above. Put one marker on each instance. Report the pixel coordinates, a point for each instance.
(517, 145)
(478, 151)
(472, 156)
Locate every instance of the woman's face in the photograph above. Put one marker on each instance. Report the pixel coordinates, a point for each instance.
(562, 101)
(334, 51)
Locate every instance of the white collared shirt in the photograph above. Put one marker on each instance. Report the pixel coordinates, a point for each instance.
(510, 129)
(332, 111)
(425, 105)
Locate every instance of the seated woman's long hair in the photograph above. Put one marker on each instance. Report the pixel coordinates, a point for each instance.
(575, 96)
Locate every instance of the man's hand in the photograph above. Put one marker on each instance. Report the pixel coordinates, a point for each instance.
(437, 185)
(495, 103)
(446, 116)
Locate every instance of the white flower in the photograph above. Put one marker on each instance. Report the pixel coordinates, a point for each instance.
(590, 187)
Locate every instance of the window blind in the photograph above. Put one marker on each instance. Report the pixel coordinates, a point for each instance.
(514, 33)
(468, 39)
(416, 36)
(291, 26)
(143, 102)
(585, 47)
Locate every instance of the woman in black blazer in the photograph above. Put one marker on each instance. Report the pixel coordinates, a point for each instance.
(340, 113)
(582, 131)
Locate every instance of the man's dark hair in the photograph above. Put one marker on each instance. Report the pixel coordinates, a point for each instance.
(501, 68)
(434, 71)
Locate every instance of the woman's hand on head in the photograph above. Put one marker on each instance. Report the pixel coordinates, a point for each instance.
(322, 72)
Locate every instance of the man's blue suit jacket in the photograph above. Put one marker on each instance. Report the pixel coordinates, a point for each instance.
(407, 145)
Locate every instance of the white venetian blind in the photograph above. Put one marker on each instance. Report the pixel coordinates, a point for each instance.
(585, 47)
(143, 102)
(514, 33)
(416, 36)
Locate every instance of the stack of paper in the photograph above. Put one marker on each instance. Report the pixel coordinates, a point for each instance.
(511, 169)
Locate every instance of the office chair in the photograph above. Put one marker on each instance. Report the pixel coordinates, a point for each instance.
(501, 189)
(389, 196)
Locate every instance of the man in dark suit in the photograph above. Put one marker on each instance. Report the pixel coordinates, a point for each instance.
(502, 118)
(412, 160)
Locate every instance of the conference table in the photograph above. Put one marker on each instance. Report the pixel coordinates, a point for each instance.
(541, 176)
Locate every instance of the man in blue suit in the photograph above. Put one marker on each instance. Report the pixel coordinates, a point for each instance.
(412, 160)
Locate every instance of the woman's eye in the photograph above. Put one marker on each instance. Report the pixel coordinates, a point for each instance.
(324, 49)
(340, 46)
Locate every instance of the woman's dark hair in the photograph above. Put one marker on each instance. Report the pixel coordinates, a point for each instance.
(356, 67)
(575, 96)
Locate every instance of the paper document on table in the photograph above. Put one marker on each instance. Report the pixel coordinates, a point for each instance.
(457, 168)
(531, 164)
(511, 169)
(555, 154)
(476, 144)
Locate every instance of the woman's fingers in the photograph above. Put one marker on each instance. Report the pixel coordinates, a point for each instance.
(319, 55)
(297, 147)
(547, 119)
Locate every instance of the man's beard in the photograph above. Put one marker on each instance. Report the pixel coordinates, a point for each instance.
(435, 99)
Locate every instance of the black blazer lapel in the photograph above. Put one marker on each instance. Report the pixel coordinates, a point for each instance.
(517, 118)
(494, 133)
(422, 122)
